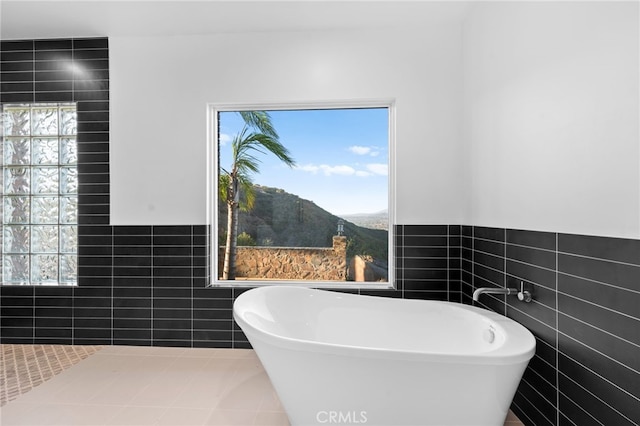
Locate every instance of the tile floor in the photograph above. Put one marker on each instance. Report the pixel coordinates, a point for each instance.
(23, 367)
(136, 386)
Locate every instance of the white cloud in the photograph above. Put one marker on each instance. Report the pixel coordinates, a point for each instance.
(224, 139)
(378, 169)
(372, 169)
(308, 168)
(337, 170)
(341, 170)
(360, 150)
(371, 151)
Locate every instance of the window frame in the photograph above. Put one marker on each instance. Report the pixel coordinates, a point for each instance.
(213, 110)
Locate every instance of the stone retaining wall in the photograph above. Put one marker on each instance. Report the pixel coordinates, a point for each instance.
(300, 263)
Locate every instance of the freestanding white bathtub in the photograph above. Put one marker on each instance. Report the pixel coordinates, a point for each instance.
(338, 358)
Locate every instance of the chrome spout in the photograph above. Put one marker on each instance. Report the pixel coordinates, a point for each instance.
(523, 295)
(489, 290)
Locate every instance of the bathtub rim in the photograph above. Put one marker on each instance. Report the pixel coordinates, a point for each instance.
(508, 353)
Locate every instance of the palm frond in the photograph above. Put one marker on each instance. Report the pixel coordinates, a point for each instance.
(261, 121)
(265, 144)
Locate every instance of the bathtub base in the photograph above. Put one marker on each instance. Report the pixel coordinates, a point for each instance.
(321, 389)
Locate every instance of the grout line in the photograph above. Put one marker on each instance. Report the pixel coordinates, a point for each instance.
(34, 313)
(473, 261)
(450, 259)
(613, 286)
(598, 306)
(504, 269)
(544, 268)
(402, 267)
(539, 395)
(233, 334)
(113, 239)
(535, 283)
(192, 282)
(580, 406)
(601, 259)
(598, 329)
(534, 407)
(151, 285)
(513, 403)
(596, 373)
(557, 336)
(530, 247)
(537, 320)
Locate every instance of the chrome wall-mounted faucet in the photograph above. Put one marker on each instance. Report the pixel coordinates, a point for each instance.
(523, 295)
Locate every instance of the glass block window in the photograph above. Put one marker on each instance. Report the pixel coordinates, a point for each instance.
(39, 194)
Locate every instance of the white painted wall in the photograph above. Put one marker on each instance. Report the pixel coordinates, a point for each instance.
(525, 116)
(160, 87)
(551, 116)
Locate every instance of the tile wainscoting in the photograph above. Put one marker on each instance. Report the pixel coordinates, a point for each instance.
(585, 316)
(146, 285)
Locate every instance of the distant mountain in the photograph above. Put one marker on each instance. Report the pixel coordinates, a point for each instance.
(378, 220)
(281, 219)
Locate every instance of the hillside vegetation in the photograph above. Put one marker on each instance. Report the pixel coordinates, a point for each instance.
(281, 219)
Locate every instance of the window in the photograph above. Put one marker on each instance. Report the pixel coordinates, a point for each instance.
(301, 194)
(40, 194)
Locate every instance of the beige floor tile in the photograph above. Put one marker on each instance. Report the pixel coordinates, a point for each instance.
(240, 398)
(162, 351)
(247, 393)
(138, 416)
(22, 414)
(267, 418)
(235, 353)
(271, 402)
(126, 350)
(175, 416)
(231, 417)
(16, 413)
(75, 391)
(202, 352)
(249, 369)
(199, 395)
(208, 388)
(120, 392)
(156, 386)
(512, 420)
(157, 394)
(165, 387)
(80, 414)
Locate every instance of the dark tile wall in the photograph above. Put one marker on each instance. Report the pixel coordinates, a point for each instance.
(585, 316)
(62, 70)
(147, 285)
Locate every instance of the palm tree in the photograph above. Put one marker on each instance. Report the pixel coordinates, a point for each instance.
(235, 185)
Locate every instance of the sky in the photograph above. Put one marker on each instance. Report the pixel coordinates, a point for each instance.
(341, 156)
